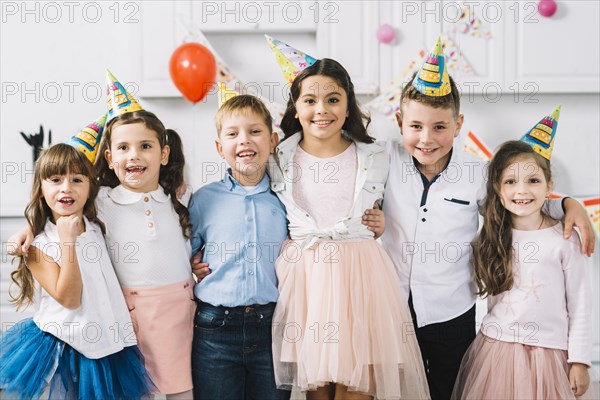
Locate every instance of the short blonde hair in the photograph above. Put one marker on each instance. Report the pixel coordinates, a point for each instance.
(243, 102)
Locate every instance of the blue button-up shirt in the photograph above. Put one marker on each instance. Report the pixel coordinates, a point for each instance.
(240, 233)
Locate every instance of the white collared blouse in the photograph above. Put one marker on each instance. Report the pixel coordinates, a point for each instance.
(144, 237)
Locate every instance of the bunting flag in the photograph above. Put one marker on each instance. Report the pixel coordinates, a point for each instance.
(473, 145)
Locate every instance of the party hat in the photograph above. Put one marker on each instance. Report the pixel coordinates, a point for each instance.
(120, 101)
(88, 139)
(433, 79)
(291, 61)
(225, 93)
(541, 136)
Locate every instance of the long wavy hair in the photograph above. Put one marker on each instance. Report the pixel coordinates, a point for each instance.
(357, 122)
(493, 249)
(170, 175)
(60, 159)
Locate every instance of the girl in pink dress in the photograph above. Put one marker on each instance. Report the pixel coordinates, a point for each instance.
(535, 341)
(341, 326)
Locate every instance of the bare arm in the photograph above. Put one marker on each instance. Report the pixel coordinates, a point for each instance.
(62, 282)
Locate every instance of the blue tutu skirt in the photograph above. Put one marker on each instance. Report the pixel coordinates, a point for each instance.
(32, 359)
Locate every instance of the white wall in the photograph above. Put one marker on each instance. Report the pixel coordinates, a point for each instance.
(51, 53)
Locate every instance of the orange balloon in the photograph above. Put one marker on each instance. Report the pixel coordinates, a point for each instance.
(193, 70)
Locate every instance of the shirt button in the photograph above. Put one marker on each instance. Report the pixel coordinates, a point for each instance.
(146, 199)
(424, 210)
(251, 272)
(148, 212)
(423, 219)
(248, 219)
(150, 224)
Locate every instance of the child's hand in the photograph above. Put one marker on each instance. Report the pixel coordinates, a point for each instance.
(375, 220)
(199, 268)
(18, 244)
(579, 378)
(68, 227)
(576, 215)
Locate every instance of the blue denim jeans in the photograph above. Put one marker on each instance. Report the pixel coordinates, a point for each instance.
(232, 356)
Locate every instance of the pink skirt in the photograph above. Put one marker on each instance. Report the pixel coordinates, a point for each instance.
(341, 317)
(492, 369)
(163, 321)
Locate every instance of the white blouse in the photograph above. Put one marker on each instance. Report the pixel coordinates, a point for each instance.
(101, 325)
(144, 237)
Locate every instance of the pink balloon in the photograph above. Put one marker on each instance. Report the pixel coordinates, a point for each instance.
(386, 34)
(547, 8)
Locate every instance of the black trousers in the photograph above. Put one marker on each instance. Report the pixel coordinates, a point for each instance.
(442, 348)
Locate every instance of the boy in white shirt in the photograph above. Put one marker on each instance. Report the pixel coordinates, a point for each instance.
(431, 205)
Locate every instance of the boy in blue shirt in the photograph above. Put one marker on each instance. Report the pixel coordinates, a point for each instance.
(239, 225)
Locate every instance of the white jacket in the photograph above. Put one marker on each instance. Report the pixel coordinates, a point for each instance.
(371, 177)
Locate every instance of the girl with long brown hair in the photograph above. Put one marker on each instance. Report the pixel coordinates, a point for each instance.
(535, 341)
(80, 340)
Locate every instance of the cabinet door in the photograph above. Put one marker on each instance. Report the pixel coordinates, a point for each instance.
(553, 55)
(346, 32)
(161, 32)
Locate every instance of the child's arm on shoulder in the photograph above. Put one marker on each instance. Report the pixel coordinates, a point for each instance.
(18, 243)
(199, 268)
(62, 282)
(576, 215)
(374, 219)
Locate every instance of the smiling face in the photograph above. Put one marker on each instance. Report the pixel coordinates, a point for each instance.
(66, 194)
(136, 156)
(428, 134)
(523, 191)
(322, 109)
(246, 142)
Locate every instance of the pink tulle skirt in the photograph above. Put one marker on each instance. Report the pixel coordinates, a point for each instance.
(341, 317)
(492, 369)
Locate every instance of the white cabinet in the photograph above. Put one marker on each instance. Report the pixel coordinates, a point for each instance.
(558, 54)
(527, 53)
(343, 30)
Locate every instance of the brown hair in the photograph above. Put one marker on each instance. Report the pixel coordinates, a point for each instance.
(243, 103)
(60, 159)
(450, 101)
(170, 176)
(493, 251)
(357, 122)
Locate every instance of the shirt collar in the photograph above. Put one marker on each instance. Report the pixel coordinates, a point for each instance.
(231, 183)
(52, 230)
(121, 195)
